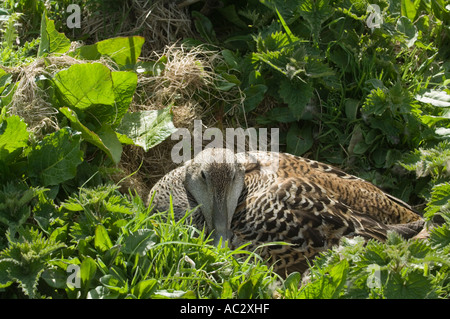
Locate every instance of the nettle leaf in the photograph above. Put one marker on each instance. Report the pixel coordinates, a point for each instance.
(52, 41)
(25, 259)
(254, 95)
(412, 285)
(315, 12)
(296, 95)
(299, 139)
(95, 92)
(14, 204)
(440, 237)
(55, 159)
(147, 128)
(13, 137)
(439, 202)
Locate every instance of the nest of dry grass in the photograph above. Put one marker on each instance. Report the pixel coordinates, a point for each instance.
(188, 83)
(30, 101)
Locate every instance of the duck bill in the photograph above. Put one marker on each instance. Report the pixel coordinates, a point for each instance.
(220, 223)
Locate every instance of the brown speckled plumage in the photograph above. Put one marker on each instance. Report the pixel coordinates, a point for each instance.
(282, 197)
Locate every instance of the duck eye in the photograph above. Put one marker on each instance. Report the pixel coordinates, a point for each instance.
(203, 175)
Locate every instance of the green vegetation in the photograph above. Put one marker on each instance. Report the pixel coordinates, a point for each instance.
(372, 100)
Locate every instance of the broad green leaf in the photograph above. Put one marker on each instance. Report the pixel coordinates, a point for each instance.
(102, 240)
(55, 159)
(254, 95)
(15, 198)
(105, 139)
(13, 137)
(124, 86)
(288, 9)
(436, 98)
(204, 26)
(405, 26)
(299, 139)
(245, 290)
(297, 96)
(440, 237)
(140, 242)
(88, 268)
(277, 114)
(413, 285)
(85, 86)
(408, 9)
(315, 12)
(147, 128)
(56, 278)
(351, 108)
(95, 93)
(114, 284)
(124, 51)
(52, 41)
(5, 80)
(144, 288)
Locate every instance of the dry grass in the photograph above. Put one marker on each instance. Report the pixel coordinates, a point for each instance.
(30, 101)
(188, 83)
(161, 22)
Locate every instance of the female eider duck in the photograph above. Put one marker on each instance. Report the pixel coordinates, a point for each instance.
(262, 197)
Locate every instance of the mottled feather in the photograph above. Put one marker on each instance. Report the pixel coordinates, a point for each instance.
(305, 203)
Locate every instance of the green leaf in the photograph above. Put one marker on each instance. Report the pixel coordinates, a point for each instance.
(413, 285)
(85, 85)
(25, 259)
(254, 95)
(204, 27)
(124, 86)
(13, 137)
(105, 139)
(440, 237)
(405, 26)
(88, 268)
(124, 51)
(330, 285)
(147, 128)
(245, 290)
(299, 139)
(288, 9)
(102, 240)
(315, 12)
(96, 93)
(15, 198)
(144, 288)
(436, 98)
(52, 41)
(140, 242)
(296, 95)
(408, 9)
(55, 159)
